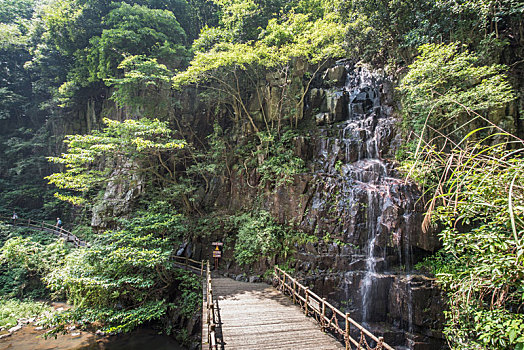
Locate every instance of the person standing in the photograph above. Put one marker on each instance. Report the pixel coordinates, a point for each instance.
(58, 223)
(15, 217)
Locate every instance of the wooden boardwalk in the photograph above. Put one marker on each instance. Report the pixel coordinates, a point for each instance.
(256, 316)
(53, 229)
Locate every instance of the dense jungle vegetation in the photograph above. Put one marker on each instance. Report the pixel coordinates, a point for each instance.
(97, 95)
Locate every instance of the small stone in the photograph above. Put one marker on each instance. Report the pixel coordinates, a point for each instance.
(14, 329)
(39, 328)
(77, 334)
(254, 279)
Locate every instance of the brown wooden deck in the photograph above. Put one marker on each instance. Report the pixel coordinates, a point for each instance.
(254, 316)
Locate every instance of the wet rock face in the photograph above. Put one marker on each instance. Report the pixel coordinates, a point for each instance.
(356, 196)
(354, 180)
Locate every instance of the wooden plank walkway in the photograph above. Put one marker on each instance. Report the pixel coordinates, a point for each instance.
(53, 229)
(256, 316)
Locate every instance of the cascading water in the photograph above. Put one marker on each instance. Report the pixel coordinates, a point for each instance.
(367, 282)
(357, 197)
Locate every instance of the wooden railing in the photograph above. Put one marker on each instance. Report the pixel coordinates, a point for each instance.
(187, 263)
(329, 317)
(210, 313)
(44, 226)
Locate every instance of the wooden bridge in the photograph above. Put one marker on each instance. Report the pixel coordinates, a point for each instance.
(66, 235)
(257, 316)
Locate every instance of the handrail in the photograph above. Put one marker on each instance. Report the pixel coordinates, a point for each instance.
(329, 317)
(59, 231)
(197, 265)
(211, 321)
(210, 305)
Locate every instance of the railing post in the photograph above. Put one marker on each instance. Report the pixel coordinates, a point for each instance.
(294, 291)
(346, 337)
(380, 343)
(42, 226)
(202, 268)
(307, 301)
(28, 222)
(322, 317)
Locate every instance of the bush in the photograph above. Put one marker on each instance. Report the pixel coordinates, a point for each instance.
(259, 236)
(11, 310)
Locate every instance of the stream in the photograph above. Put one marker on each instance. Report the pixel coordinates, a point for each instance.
(30, 338)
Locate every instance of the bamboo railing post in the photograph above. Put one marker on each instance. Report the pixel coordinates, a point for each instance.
(42, 226)
(346, 337)
(294, 291)
(202, 268)
(322, 319)
(307, 301)
(380, 343)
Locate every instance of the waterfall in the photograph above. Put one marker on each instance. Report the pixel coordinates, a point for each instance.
(359, 198)
(367, 282)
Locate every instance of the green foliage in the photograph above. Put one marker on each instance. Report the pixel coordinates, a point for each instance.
(135, 30)
(14, 10)
(158, 219)
(11, 310)
(115, 320)
(120, 151)
(312, 40)
(279, 164)
(273, 155)
(144, 87)
(389, 32)
(211, 36)
(479, 203)
(21, 268)
(190, 298)
(258, 237)
(92, 38)
(233, 68)
(444, 86)
(124, 279)
(261, 237)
